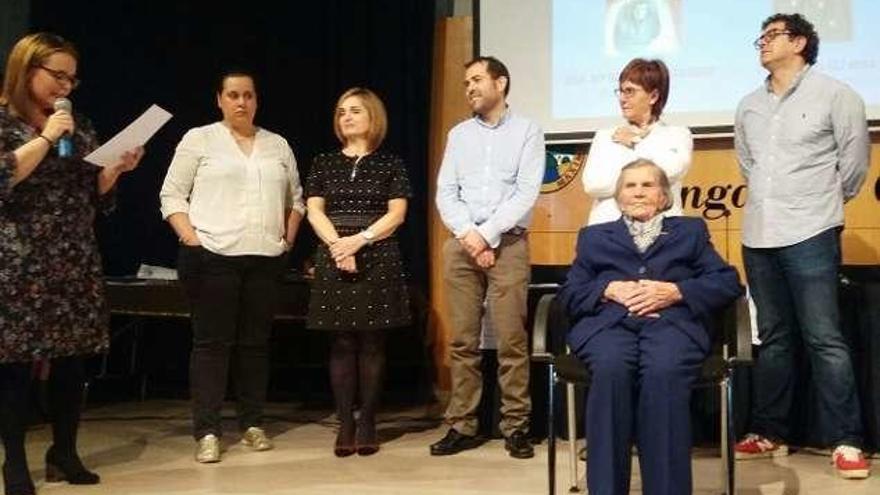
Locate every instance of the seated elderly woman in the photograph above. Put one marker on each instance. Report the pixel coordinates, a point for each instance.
(639, 294)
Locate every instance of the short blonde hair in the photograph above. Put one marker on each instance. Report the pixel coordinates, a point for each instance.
(29, 53)
(659, 174)
(375, 109)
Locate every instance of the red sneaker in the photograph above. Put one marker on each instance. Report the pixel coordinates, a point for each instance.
(757, 447)
(850, 462)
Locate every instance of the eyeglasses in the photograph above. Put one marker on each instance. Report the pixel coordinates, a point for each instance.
(626, 92)
(768, 37)
(62, 76)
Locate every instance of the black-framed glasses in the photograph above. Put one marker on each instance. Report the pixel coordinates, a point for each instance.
(61, 76)
(768, 37)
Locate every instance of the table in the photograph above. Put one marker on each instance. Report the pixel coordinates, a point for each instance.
(146, 302)
(166, 298)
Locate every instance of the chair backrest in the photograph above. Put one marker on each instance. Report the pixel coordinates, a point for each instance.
(732, 333)
(559, 325)
(739, 334)
(549, 328)
(730, 327)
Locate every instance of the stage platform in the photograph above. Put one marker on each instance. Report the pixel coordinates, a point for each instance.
(146, 448)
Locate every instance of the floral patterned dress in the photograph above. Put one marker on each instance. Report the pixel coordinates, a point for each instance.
(51, 284)
(355, 196)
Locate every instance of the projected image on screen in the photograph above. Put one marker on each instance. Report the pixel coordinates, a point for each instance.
(640, 26)
(832, 19)
(707, 46)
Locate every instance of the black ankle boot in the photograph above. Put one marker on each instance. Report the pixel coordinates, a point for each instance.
(17, 480)
(69, 468)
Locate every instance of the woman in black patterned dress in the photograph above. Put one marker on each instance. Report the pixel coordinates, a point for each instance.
(357, 198)
(52, 309)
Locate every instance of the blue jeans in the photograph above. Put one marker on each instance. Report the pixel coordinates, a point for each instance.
(795, 291)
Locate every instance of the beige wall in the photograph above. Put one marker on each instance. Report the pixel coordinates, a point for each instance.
(453, 47)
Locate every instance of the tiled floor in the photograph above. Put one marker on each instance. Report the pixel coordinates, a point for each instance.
(145, 448)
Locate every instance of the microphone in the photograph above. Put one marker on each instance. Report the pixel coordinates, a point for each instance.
(65, 143)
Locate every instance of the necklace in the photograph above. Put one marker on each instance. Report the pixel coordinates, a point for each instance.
(354, 167)
(356, 160)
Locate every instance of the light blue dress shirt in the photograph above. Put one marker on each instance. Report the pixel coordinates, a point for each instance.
(803, 154)
(491, 176)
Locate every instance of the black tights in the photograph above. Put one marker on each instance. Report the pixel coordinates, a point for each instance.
(357, 363)
(65, 393)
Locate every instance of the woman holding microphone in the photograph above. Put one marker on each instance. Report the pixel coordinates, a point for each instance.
(52, 307)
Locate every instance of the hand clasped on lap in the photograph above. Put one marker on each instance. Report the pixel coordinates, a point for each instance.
(643, 297)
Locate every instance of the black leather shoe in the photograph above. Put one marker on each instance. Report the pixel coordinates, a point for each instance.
(454, 442)
(519, 446)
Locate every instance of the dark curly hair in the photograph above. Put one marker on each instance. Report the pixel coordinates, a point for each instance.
(797, 25)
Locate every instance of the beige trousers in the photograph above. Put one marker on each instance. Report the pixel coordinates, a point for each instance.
(505, 286)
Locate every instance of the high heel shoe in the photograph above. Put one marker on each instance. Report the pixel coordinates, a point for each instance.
(344, 445)
(68, 468)
(17, 481)
(367, 441)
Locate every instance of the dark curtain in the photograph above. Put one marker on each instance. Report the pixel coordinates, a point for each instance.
(304, 53)
(13, 24)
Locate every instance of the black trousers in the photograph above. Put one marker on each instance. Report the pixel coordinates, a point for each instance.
(233, 301)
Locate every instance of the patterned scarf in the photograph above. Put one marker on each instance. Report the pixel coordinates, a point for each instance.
(644, 233)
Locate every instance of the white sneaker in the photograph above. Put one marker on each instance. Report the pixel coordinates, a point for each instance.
(208, 449)
(256, 439)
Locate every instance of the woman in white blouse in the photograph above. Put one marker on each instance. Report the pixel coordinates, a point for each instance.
(642, 94)
(233, 196)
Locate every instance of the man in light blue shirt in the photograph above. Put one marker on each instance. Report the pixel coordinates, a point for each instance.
(487, 186)
(803, 147)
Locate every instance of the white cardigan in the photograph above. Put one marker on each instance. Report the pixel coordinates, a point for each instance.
(670, 147)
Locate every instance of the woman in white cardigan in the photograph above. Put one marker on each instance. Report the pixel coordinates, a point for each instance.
(642, 94)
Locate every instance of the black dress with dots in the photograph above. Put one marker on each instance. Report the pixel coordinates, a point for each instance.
(356, 195)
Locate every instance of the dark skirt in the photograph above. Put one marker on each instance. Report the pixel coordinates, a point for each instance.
(376, 297)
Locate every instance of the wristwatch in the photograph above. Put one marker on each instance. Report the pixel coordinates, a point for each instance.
(368, 235)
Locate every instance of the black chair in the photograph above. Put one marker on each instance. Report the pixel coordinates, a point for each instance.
(732, 347)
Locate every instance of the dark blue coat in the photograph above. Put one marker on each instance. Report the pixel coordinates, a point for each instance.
(682, 254)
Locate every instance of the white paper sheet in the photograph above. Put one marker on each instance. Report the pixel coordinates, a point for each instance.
(136, 134)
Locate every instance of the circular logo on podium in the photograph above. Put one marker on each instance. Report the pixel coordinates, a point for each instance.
(560, 169)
